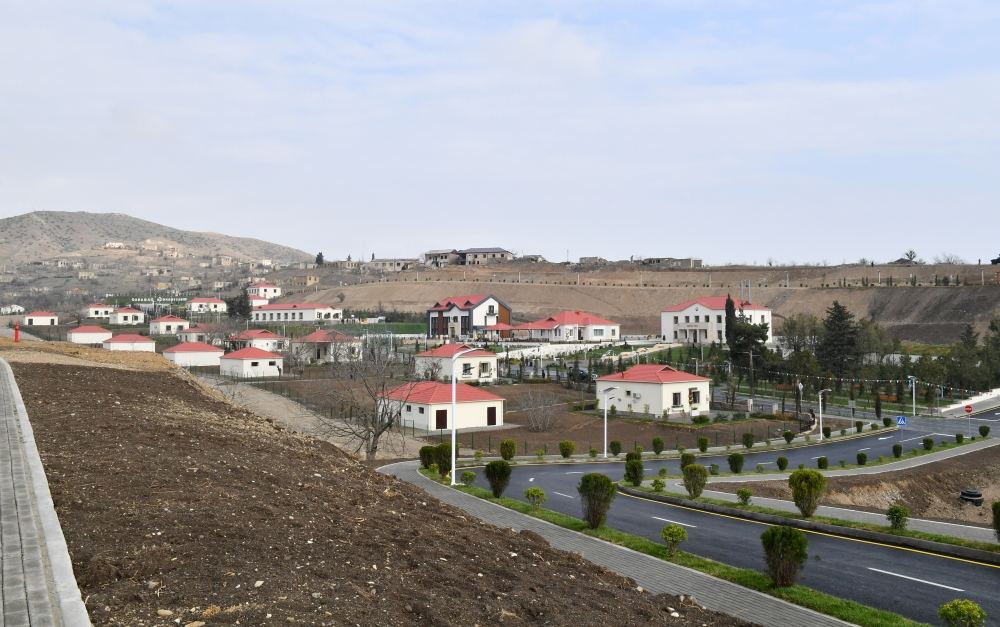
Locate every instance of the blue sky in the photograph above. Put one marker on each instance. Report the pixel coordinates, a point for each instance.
(736, 130)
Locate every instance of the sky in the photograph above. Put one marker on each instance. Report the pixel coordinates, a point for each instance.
(729, 130)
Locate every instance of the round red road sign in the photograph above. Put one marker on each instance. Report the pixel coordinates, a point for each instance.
(968, 409)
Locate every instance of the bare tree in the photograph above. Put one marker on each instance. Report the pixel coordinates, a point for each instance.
(541, 408)
(910, 255)
(949, 258)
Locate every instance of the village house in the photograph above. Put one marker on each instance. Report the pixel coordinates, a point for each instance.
(205, 333)
(305, 280)
(570, 326)
(390, 265)
(263, 289)
(257, 301)
(250, 362)
(300, 312)
(190, 354)
(441, 258)
(88, 335)
(654, 390)
(258, 338)
(483, 256)
(206, 305)
(165, 325)
(478, 365)
(703, 320)
(326, 346)
(463, 316)
(427, 405)
(41, 319)
(130, 342)
(126, 316)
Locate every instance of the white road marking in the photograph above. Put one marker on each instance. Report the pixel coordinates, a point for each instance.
(817, 457)
(675, 522)
(885, 438)
(926, 435)
(575, 472)
(929, 583)
(531, 479)
(561, 494)
(864, 449)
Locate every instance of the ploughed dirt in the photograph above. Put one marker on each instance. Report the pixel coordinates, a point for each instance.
(930, 491)
(180, 509)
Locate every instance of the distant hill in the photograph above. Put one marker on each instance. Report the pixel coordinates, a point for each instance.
(48, 234)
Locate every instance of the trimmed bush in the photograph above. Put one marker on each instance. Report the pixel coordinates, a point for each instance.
(962, 613)
(433, 469)
(843, 432)
(984, 430)
(508, 448)
(713, 469)
(567, 448)
(959, 438)
(633, 456)
(596, 493)
(736, 462)
(928, 443)
(789, 436)
(478, 455)
(743, 495)
(662, 472)
(785, 551)
(807, 487)
(442, 457)
(897, 450)
(615, 447)
(426, 456)
(634, 472)
(672, 536)
(687, 458)
(826, 432)
(996, 519)
(657, 445)
(468, 478)
(658, 485)
(593, 453)
(748, 440)
(695, 477)
(703, 444)
(862, 459)
(822, 463)
(886, 421)
(540, 454)
(897, 515)
(498, 474)
(782, 463)
(859, 426)
(759, 468)
(535, 496)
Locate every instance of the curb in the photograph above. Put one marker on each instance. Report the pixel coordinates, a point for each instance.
(930, 546)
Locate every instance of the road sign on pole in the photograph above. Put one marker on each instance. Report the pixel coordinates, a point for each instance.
(901, 421)
(968, 409)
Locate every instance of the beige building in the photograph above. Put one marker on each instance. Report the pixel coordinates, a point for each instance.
(654, 390)
(479, 365)
(427, 405)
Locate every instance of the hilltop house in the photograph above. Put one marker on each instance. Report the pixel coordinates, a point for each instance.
(326, 345)
(126, 316)
(189, 354)
(296, 312)
(478, 365)
(441, 258)
(206, 333)
(570, 326)
(98, 310)
(206, 305)
(655, 390)
(130, 342)
(462, 316)
(703, 320)
(88, 335)
(483, 256)
(263, 289)
(427, 404)
(167, 325)
(41, 319)
(250, 362)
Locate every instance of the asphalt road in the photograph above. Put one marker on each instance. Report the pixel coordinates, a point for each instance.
(910, 583)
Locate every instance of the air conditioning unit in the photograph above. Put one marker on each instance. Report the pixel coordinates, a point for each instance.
(636, 395)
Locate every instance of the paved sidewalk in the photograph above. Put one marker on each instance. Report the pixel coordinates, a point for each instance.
(654, 575)
(37, 586)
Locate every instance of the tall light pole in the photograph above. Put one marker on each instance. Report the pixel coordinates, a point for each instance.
(605, 392)
(821, 411)
(913, 388)
(454, 410)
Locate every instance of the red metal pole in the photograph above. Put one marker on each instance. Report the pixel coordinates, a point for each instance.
(17, 332)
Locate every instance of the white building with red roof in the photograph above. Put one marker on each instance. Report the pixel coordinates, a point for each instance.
(326, 345)
(91, 334)
(570, 326)
(126, 316)
(465, 316)
(97, 310)
(263, 289)
(703, 320)
(479, 365)
(167, 325)
(207, 333)
(427, 405)
(41, 319)
(258, 338)
(250, 362)
(656, 390)
(130, 342)
(297, 312)
(189, 354)
(206, 305)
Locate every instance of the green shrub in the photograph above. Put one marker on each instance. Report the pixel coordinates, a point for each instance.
(593, 453)
(822, 463)
(713, 469)
(862, 459)
(782, 463)
(658, 485)
(759, 468)
(662, 472)
(962, 613)
(826, 432)
(468, 477)
(736, 462)
(928, 443)
(807, 487)
(638, 449)
(672, 536)
(700, 420)
(984, 430)
(748, 440)
(433, 469)
(695, 478)
(743, 495)
(478, 456)
(498, 474)
(859, 426)
(897, 450)
(687, 458)
(703, 444)
(567, 448)
(789, 436)
(615, 447)
(843, 432)
(897, 515)
(634, 472)
(442, 457)
(426, 456)
(657, 445)
(996, 519)
(613, 411)
(596, 493)
(540, 454)
(508, 448)
(886, 421)
(959, 438)
(785, 551)
(842, 464)
(535, 496)
(632, 456)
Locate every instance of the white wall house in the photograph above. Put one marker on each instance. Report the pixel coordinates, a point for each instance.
(88, 335)
(126, 315)
(479, 365)
(263, 290)
(130, 342)
(570, 326)
(427, 405)
(258, 338)
(250, 362)
(41, 319)
(194, 354)
(97, 310)
(257, 301)
(464, 316)
(652, 389)
(167, 325)
(206, 305)
(298, 312)
(703, 320)
(207, 333)
(327, 345)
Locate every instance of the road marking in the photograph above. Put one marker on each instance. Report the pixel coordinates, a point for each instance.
(817, 457)
(864, 449)
(885, 438)
(575, 472)
(561, 494)
(929, 583)
(666, 520)
(531, 479)
(926, 435)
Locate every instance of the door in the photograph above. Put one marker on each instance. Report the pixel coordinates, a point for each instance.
(491, 416)
(441, 419)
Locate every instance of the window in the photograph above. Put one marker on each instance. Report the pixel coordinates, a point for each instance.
(694, 396)
(762, 318)
(613, 332)
(409, 408)
(272, 363)
(697, 318)
(718, 319)
(718, 335)
(704, 334)
(687, 318)
(628, 392)
(675, 334)
(676, 319)
(466, 370)
(420, 410)
(598, 332)
(491, 310)
(677, 399)
(254, 364)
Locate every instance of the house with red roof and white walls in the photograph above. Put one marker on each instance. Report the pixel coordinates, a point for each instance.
(206, 305)
(479, 365)
(167, 325)
(258, 338)
(97, 310)
(276, 313)
(130, 342)
(427, 405)
(570, 326)
(126, 316)
(326, 346)
(251, 362)
(187, 354)
(88, 334)
(654, 390)
(703, 320)
(466, 316)
(41, 319)
(263, 289)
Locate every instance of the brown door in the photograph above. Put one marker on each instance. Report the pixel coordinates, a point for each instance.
(441, 419)
(491, 416)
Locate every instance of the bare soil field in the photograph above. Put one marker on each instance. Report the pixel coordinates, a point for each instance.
(180, 508)
(930, 491)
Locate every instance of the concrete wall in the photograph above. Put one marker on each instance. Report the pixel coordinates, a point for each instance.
(88, 338)
(186, 359)
(141, 347)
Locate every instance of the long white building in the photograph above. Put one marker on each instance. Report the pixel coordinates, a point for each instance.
(297, 312)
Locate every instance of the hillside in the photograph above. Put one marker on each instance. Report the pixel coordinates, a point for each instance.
(48, 234)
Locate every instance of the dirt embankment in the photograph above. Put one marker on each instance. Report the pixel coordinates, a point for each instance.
(177, 507)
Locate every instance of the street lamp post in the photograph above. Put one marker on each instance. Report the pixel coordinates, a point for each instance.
(605, 392)
(454, 409)
(913, 388)
(821, 412)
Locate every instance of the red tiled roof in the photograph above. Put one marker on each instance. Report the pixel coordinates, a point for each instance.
(653, 373)
(274, 306)
(433, 392)
(449, 350)
(716, 303)
(201, 328)
(500, 326)
(129, 338)
(251, 353)
(462, 302)
(88, 329)
(207, 300)
(126, 310)
(324, 336)
(40, 314)
(194, 347)
(257, 334)
(580, 318)
(169, 318)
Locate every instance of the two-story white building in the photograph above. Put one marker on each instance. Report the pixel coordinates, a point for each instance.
(703, 320)
(570, 326)
(427, 405)
(263, 289)
(297, 312)
(41, 319)
(478, 365)
(653, 389)
(258, 338)
(206, 305)
(168, 325)
(126, 316)
(464, 316)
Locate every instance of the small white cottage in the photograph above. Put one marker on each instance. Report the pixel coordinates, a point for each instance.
(194, 354)
(251, 362)
(130, 342)
(88, 335)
